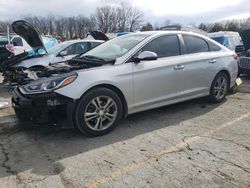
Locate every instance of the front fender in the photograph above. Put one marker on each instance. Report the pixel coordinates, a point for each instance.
(120, 76)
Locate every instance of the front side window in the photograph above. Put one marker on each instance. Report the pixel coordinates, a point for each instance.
(164, 46)
(195, 44)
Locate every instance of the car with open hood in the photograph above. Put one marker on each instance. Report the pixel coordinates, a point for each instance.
(16, 68)
(125, 75)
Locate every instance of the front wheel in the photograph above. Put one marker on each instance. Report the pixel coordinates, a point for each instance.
(98, 112)
(219, 88)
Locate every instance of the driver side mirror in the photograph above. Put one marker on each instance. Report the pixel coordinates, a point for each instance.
(63, 53)
(145, 56)
(239, 48)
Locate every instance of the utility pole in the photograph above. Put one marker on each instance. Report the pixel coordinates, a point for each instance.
(8, 34)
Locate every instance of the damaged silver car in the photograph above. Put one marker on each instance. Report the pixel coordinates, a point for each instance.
(125, 75)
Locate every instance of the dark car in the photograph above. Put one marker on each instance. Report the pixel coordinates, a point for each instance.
(4, 53)
(244, 53)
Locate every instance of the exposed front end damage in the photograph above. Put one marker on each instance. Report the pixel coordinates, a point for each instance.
(46, 108)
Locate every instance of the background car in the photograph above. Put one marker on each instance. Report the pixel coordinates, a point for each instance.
(61, 52)
(228, 39)
(244, 53)
(125, 75)
(14, 68)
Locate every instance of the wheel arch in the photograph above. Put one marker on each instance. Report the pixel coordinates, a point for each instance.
(117, 91)
(228, 75)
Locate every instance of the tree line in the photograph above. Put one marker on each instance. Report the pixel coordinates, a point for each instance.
(108, 19)
(228, 25)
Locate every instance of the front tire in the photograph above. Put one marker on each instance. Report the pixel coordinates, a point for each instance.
(219, 88)
(98, 112)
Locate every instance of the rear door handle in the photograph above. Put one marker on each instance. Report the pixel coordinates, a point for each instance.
(179, 67)
(212, 61)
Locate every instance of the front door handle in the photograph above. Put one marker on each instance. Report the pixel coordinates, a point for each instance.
(179, 67)
(212, 61)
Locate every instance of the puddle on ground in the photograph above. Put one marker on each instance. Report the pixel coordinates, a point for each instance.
(4, 103)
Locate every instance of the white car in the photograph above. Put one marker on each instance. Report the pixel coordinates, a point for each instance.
(15, 68)
(227, 38)
(125, 75)
(61, 52)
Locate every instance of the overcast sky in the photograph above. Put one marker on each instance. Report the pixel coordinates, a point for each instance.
(155, 11)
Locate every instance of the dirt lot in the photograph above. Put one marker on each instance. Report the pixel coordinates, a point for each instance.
(192, 144)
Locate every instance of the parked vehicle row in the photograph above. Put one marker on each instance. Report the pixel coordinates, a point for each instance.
(19, 69)
(125, 75)
(240, 43)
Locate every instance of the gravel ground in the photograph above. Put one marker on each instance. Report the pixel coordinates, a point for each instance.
(191, 144)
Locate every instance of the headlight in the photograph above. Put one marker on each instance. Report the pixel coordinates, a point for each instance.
(48, 84)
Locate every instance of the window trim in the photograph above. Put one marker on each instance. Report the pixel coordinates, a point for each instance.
(185, 47)
(181, 49)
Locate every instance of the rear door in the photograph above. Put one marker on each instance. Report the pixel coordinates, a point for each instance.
(200, 66)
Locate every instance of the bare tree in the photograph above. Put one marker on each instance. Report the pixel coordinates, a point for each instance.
(147, 27)
(135, 19)
(104, 18)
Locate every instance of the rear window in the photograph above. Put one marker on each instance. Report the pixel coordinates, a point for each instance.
(213, 47)
(195, 44)
(17, 41)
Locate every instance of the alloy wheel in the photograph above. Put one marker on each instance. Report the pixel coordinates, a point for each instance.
(220, 87)
(100, 113)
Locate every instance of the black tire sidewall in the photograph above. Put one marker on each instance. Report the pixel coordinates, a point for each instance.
(80, 109)
(212, 92)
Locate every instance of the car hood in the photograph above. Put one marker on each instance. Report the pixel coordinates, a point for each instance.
(98, 35)
(245, 35)
(38, 61)
(29, 34)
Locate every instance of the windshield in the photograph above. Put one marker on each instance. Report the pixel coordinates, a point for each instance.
(57, 48)
(116, 47)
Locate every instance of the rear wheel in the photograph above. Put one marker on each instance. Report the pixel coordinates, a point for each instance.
(98, 112)
(219, 88)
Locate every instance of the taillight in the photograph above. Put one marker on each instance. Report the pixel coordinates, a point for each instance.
(236, 57)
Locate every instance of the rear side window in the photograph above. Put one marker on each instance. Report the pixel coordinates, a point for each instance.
(213, 47)
(164, 46)
(78, 48)
(195, 45)
(17, 41)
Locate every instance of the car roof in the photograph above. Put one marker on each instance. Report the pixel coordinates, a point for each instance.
(161, 32)
(83, 40)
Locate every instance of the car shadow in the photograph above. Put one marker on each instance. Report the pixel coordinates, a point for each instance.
(41, 148)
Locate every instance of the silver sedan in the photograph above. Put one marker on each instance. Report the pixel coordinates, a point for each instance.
(136, 72)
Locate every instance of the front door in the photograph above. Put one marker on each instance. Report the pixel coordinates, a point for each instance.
(159, 80)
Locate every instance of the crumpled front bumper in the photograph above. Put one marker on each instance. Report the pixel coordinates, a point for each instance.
(47, 108)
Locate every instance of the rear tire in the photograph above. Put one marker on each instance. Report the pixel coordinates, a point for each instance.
(219, 88)
(98, 112)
